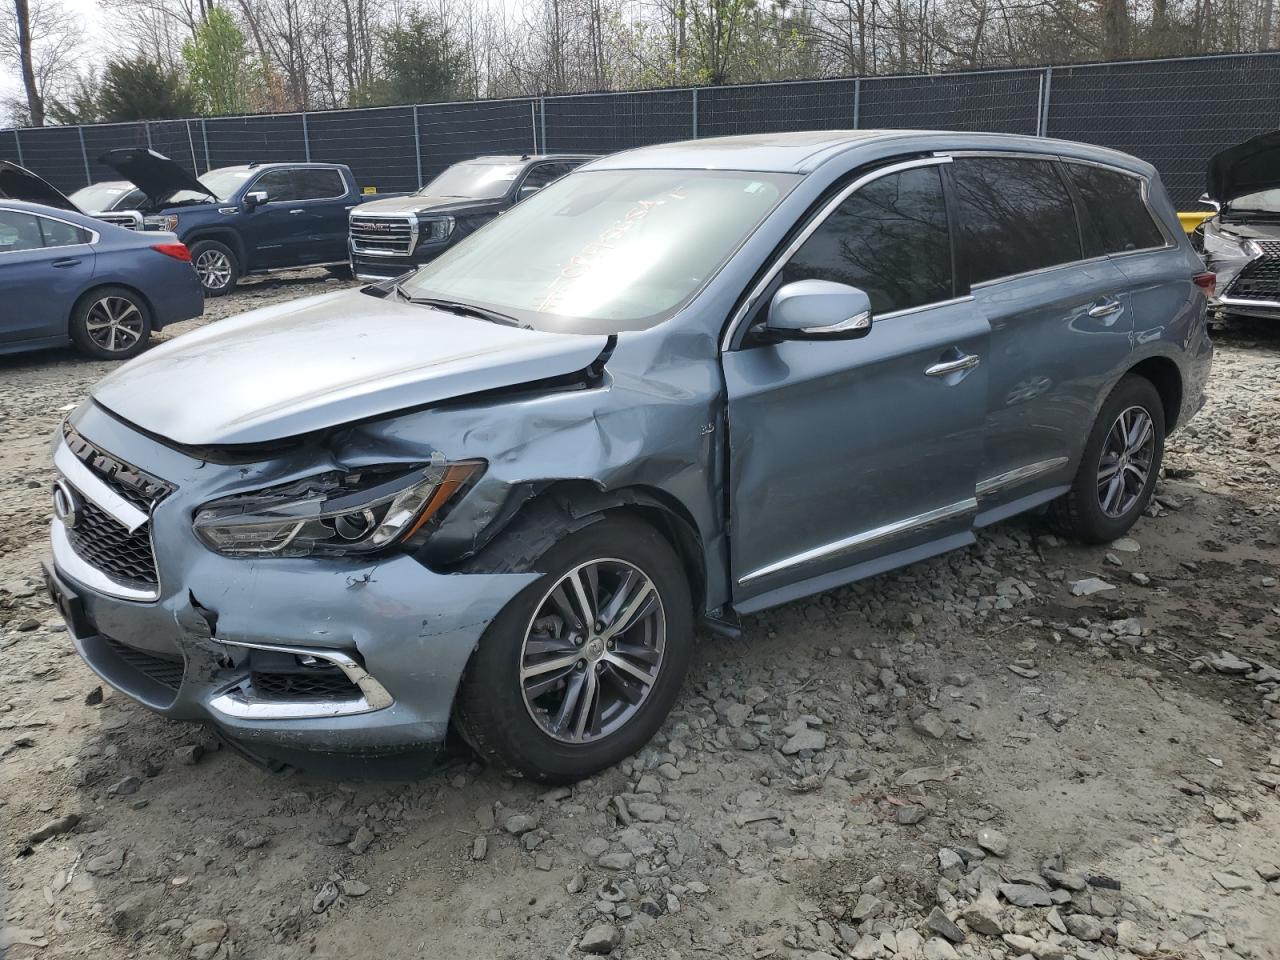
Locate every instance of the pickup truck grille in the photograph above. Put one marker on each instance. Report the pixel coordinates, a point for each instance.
(129, 219)
(383, 236)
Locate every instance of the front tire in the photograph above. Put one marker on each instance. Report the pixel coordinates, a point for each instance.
(217, 267)
(111, 323)
(580, 669)
(1117, 474)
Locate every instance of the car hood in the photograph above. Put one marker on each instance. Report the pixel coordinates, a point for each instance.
(153, 173)
(1245, 168)
(294, 368)
(417, 204)
(19, 183)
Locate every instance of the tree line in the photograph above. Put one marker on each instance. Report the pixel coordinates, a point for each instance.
(180, 58)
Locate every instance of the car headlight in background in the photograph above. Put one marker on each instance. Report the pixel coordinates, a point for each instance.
(169, 223)
(335, 513)
(1227, 246)
(434, 229)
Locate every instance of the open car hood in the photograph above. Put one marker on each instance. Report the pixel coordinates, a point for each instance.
(19, 183)
(153, 173)
(1245, 168)
(298, 367)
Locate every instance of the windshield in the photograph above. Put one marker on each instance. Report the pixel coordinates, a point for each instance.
(224, 183)
(1264, 201)
(605, 251)
(479, 181)
(103, 196)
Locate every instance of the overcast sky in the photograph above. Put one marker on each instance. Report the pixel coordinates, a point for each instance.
(97, 41)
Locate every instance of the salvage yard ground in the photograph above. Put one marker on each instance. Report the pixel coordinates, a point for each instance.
(966, 757)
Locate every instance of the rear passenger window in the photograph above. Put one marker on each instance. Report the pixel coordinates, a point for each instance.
(889, 238)
(1121, 219)
(1015, 216)
(319, 184)
(18, 232)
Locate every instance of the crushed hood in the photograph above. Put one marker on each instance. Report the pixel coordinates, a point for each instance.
(298, 367)
(19, 183)
(418, 204)
(1245, 168)
(153, 173)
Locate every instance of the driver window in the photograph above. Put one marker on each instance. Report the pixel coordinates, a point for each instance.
(888, 238)
(277, 185)
(542, 175)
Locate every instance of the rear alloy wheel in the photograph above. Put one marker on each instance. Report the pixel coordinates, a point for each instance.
(111, 324)
(1117, 473)
(216, 266)
(580, 669)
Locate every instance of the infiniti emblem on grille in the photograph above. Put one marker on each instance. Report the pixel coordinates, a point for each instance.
(66, 504)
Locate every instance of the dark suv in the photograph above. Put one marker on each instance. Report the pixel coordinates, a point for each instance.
(393, 235)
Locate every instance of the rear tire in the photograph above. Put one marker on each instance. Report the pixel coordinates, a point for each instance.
(558, 724)
(111, 323)
(1117, 474)
(217, 267)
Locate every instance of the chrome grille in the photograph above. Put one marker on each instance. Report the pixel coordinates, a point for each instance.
(1260, 278)
(129, 219)
(110, 547)
(383, 236)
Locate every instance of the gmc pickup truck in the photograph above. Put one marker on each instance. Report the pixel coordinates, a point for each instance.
(245, 219)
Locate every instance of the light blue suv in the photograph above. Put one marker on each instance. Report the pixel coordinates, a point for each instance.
(684, 383)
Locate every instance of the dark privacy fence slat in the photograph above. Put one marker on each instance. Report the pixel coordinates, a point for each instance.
(1173, 113)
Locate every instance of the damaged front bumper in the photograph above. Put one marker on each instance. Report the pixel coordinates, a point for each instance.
(341, 655)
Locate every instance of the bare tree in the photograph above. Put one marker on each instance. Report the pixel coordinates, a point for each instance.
(42, 40)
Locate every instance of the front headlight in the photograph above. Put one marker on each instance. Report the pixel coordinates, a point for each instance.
(168, 223)
(334, 513)
(1228, 246)
(434, 229)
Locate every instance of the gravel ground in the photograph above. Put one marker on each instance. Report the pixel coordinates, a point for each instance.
(964, 758)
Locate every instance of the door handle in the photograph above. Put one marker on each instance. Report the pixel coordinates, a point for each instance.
(66, 262)
(1105, 309)
(297, 211)
(967, 362)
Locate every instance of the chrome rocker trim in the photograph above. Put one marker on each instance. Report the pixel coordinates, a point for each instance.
(875, 535)
(234, 703)
(1018, 475)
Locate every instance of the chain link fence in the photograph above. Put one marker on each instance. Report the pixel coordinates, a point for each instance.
(1173, 113)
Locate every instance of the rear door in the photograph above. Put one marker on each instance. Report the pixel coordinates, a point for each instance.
(1060, 322)
(843, 453)
(324, 194)
(45, 264)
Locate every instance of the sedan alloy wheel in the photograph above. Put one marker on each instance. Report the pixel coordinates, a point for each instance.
(115, 324)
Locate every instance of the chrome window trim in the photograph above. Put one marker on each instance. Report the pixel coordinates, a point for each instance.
(81, 571)
(1018, 475)
(907, 311)
(94, 235)
(341, 179)
(810, 228)
(866, 538)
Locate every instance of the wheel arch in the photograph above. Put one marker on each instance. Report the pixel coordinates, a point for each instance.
(1166, 377)
(226, 237)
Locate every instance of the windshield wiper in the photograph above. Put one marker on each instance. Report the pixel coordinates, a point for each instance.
(464, 309)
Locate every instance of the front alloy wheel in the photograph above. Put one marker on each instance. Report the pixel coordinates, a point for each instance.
(581, 667)
(214, 268)
(592, 651)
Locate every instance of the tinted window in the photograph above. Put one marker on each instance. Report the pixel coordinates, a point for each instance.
(19, 231)
(543, 174)
(1015, 216)
(59, 234)
(277, 184)
(1121, 220)
(889, 239)
(319, 184)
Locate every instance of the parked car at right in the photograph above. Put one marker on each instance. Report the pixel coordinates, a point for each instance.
(68, 278)
(392, 236)
(1241, 241)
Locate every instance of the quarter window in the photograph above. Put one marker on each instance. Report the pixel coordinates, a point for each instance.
(1015, 216)
(889, 238)
(59, 234)
(1121, 218)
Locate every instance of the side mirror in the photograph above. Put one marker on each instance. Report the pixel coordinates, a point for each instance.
(1204, 198)
(526, 192)
(819, 310)
(255, 198)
